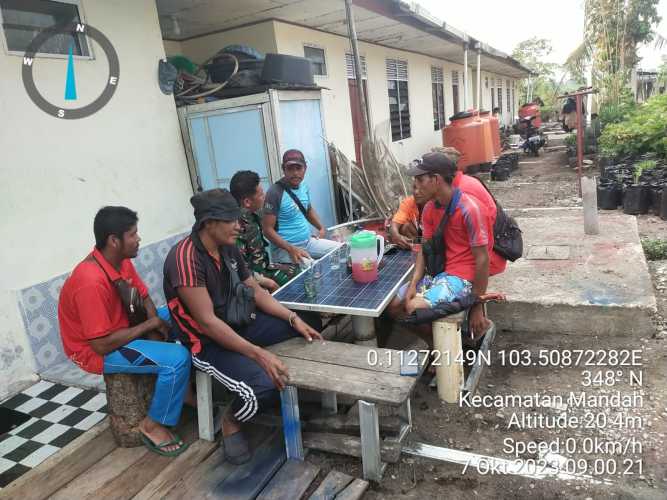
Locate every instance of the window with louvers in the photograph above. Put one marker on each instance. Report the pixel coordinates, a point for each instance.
(455, 91)
(438, 91)
(500, 95)
(509, 99)
(399, 107)
(349, 67)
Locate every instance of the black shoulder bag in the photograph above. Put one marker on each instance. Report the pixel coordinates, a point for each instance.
(507, 236)
(130, 297)
(286, 189)
(433, 250)
(240, 308)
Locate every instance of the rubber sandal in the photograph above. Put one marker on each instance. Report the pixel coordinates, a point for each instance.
(236, 448)
(157, 448)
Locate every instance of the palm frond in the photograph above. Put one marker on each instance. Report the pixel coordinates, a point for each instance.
(578, 59)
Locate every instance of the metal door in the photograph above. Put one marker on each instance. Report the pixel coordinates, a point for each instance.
(225, 141)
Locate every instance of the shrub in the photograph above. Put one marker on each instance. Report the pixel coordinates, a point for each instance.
(644, 130)
(655, 249)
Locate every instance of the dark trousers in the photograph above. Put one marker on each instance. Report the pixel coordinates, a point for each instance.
(253, 388)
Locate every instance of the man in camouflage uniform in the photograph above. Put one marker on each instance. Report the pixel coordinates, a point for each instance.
(250, 196)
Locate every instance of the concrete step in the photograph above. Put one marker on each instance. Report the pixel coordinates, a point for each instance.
(571, 283)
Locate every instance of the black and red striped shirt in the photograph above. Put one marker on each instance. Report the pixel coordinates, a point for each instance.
(189, 264)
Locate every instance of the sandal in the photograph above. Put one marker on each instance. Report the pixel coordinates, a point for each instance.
(158, 448)
(236, 448)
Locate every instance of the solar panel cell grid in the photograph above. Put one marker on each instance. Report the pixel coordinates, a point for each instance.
(338, 292)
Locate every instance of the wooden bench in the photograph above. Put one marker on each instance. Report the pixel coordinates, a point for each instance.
(370, 375)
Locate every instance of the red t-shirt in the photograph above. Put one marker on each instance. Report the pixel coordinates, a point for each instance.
(472, 186)
(465, 229)
(90, 307)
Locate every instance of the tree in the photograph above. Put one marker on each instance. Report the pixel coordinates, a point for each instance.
(613, 32)
(533, 54)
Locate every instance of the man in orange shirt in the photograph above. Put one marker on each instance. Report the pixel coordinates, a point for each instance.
(406, 223)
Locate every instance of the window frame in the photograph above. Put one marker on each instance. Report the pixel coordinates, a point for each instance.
(324, 56)
(46, 55)
(397, 80)
(438, 104)
(364, 66)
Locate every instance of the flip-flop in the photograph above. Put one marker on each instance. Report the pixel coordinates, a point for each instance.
(157, 448)
(236, 448)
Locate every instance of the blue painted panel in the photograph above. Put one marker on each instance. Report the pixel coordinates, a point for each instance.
(238, 144)
(200, 147)
(301, 128)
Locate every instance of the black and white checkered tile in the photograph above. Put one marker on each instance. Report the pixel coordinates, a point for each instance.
(59, 414)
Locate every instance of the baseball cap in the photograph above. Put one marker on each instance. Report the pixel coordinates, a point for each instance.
(433, 163)
(216, 204)
(293, 157)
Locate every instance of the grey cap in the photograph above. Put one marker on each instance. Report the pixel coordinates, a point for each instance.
(433, 163)
(215, 204)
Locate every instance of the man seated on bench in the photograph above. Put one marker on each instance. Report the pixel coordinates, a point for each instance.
(96, 331)
(406, 224)
(245, 187)
(466, 238)
(203, 275)
(289, 213)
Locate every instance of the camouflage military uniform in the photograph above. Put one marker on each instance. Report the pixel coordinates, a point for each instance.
(252, 245)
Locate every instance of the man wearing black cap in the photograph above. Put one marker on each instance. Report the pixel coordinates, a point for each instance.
(288, 215)
(198, 286)
(466, 239)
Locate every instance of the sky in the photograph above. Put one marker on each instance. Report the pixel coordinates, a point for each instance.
(503, 24)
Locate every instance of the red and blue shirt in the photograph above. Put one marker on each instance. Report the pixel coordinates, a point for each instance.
(466, 228)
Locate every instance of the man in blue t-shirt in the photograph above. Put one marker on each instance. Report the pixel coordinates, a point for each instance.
(286, 223)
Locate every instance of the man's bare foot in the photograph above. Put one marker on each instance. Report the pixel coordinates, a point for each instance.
(158, 434)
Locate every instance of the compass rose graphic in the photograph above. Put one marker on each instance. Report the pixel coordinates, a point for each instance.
(70, 81)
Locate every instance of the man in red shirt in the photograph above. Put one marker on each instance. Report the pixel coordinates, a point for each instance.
(96, 332)
(467, 242)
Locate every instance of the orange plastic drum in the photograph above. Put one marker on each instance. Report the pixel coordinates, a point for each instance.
(494, 131)
(471, 136)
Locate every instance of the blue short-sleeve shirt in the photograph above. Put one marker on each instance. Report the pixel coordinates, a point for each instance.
(293, 226)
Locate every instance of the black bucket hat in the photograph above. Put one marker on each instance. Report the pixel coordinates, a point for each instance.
(214, 204)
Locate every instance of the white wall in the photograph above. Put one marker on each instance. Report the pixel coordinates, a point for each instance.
(57, 174)
(260, 36)
(290, 40)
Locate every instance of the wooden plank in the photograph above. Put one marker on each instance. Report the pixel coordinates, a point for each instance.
(182, 465)
(130, 481)
(247, 481)
(202, 479)
(354, 382)
(111, 466)
(338, 353)
(333, 484)
(342, 444)
(350, 424)
(61, 468)
(291, 481)
(355, 491)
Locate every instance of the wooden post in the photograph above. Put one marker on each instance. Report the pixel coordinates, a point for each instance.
(205, 421)
(447, 342)
(590, 198)
(128, 399)
(580, 140)
(352, 32)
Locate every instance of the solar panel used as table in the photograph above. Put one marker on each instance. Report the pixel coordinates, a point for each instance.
(338, 293)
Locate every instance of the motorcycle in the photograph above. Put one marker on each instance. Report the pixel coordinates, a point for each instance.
(533, 138)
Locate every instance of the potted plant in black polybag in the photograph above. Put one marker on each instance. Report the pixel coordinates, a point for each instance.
(636, 199)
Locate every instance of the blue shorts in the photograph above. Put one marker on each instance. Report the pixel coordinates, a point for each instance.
(443, 288)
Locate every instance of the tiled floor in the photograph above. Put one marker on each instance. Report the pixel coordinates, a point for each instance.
(59, 414)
